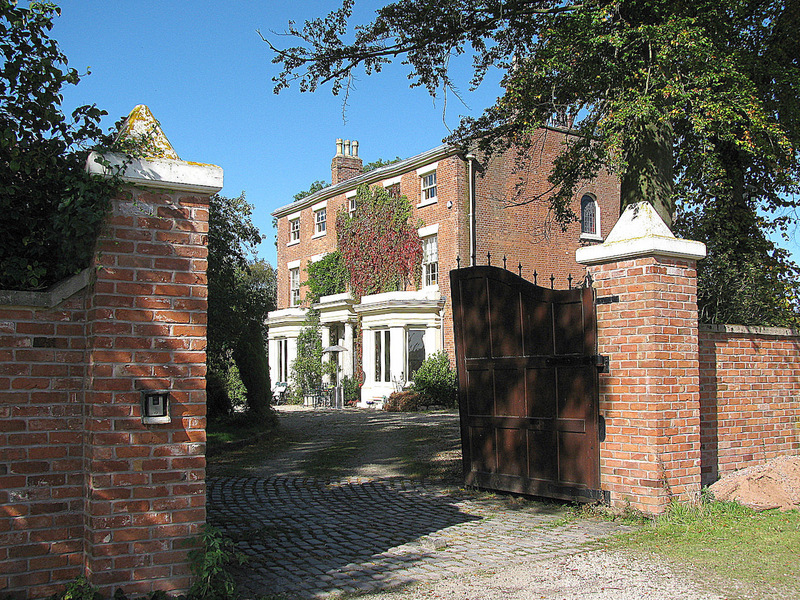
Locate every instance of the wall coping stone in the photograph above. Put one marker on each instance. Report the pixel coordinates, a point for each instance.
(750, 329)
(51, 297)
(640, 232)
(162, 173)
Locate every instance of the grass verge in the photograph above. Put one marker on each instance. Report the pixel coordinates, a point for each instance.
(740, 552)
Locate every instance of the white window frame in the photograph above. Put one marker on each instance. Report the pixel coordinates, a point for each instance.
(351, 201)
(409, 374)
(591, 235)
(320, 224)
(294, 285)
(382, 355)
(430, 276)
(294, 217)
(427, 197)
(283, 360)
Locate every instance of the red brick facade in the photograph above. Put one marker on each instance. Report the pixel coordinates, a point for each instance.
(514, 220)
(85, 486)
(749, 396)
(524, 234)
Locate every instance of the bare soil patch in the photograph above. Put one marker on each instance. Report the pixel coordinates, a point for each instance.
(775, 484)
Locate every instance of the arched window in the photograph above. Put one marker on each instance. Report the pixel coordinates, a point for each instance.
(590, 216)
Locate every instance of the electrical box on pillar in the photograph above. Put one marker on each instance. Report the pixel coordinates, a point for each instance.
(155, 407)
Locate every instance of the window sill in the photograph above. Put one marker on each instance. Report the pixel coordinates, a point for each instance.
(293, 243)
(591, 237)
(428, 202)
(318, 235)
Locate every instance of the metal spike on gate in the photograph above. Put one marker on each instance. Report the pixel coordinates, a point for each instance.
(458, 262)
(569, 281)
(552, 281)
(520, 269)
(504, 261)
(535, 277)
(489, 258)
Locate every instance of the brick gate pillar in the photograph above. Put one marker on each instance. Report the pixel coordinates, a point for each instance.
(146, 332)
(646, 286)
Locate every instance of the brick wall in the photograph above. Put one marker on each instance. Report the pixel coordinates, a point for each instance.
(749, 396)
(514, 218)
(650, 399)
(85, 486)
(42, 368)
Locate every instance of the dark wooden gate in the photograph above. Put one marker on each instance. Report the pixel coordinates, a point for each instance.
(528, 384)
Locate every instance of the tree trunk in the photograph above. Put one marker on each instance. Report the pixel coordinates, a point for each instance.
(650, 175)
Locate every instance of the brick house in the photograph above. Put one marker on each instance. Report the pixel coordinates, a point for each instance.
(496, 212)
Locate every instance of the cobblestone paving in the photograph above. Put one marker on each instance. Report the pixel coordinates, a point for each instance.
(307, 538)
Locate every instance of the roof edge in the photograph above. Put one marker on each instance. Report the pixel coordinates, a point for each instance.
(385, 172)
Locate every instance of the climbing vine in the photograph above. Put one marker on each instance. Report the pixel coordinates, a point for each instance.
(380, 246)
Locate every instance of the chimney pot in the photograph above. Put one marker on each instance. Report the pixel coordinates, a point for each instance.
(338, 146)
(347, 147)
(355, 148)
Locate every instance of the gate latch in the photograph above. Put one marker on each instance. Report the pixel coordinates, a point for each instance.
(602, 364)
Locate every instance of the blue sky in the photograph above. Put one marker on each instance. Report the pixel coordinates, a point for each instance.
(203, 70)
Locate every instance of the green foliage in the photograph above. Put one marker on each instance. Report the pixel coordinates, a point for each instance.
(745, 279)
(210, 564)
(379, 244)
(326, 276)
(50, 208)
(80, 589)
(351, 390)
(308, 369)
(240, 294)
(436, 380)
(314, 187)
(377, 164)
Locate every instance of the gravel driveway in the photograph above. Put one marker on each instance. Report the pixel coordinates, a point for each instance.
(367, 503)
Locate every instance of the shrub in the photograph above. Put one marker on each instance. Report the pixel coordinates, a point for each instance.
(436, 380)
(351, 389)
(407, 401)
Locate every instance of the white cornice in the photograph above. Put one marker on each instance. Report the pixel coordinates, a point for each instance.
(162, 173)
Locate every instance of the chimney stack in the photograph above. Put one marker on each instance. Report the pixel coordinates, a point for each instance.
(346, 164)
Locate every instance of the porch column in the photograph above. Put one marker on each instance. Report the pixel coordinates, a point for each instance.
(646, 286)
(326, 356)
(347, 355)
(397, 357)
(368, 345)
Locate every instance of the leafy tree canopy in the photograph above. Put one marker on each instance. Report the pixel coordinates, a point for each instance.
(314, 187)
(50, 208)
(377, 164)
(380, 246)
(694, 104)
(240, 294)
(662, 92)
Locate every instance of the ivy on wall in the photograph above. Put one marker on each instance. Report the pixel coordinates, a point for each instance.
(380, 246)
